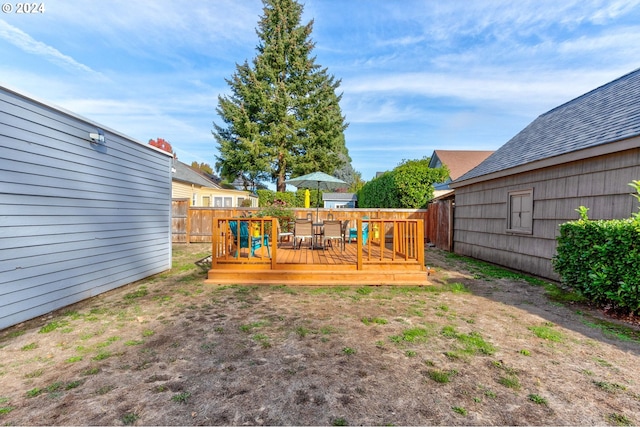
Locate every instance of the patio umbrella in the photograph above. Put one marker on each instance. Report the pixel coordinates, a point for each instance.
(319, 181)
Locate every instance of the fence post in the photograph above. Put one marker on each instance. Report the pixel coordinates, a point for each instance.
(188, 230)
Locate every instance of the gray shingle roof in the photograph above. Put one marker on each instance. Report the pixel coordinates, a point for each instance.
(607, 114)
(184, 173)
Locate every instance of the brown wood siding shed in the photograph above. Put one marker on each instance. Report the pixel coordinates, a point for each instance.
(599, 183)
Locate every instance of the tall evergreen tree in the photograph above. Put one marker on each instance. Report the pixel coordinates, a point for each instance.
(283, 117)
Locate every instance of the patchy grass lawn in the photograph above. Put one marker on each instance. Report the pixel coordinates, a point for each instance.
(478, 346)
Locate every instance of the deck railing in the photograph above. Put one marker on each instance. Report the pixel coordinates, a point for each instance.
(395, 240)
(399, 240)
(254, 248)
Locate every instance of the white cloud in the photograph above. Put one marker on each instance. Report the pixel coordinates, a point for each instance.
(29, 45)
(415, 75)
(508, 88)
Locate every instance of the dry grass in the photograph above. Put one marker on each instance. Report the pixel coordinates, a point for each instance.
(470, 349)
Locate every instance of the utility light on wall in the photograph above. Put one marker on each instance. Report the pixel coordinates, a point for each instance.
(97, 137)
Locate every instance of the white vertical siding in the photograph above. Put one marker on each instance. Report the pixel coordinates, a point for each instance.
(76, 218)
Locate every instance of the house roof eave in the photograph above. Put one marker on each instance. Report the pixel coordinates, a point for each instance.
(587, 153)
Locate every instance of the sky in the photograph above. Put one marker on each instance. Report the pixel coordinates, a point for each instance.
(416, 75)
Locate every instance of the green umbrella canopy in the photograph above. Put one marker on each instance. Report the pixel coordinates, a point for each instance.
(319, 181)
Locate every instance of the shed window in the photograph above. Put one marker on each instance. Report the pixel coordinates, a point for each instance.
(520, 205)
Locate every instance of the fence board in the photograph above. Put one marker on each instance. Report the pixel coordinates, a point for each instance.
(193, 224)
(439, 224)
(179, 220)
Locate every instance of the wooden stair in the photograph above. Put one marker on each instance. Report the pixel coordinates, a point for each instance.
(319, 277)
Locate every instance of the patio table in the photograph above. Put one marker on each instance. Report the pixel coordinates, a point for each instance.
(317, 235)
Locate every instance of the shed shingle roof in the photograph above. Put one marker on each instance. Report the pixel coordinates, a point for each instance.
(607, 114)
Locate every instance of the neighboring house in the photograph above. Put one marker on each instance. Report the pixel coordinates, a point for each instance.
(582, 153)
(204, 192)
(458, 162)
(84, 209)
(339, 200)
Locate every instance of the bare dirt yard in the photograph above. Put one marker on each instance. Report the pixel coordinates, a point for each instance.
(477, 346)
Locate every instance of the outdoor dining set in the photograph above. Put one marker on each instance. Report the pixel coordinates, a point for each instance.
(320, 235)
(313, 234)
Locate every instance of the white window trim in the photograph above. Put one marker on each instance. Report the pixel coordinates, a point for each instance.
(510, 194)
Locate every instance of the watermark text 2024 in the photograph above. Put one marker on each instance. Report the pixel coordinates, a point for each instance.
(23, 8)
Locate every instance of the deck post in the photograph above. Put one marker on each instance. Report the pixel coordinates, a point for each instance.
(214, 242)
(420, 243)
(359, 244)
(274, 243)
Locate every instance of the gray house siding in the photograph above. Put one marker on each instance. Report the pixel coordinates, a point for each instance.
(599, 183)
(76, 218)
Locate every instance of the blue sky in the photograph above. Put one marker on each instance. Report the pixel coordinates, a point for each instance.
(416, 75)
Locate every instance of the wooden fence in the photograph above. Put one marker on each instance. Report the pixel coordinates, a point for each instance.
(439, 224)
(194, 224)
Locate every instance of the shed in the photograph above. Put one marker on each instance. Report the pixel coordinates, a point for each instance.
(339, 200)
(582, 153)
(84, 209)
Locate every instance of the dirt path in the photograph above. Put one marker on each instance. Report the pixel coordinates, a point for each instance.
(467, 350)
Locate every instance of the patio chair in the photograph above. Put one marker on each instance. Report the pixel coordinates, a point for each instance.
(303, 229)
(332, 231)
(246, 240)
(345, 230)
(282, 234)
(353, 232)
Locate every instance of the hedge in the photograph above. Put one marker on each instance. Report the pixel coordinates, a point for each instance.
(601, 260)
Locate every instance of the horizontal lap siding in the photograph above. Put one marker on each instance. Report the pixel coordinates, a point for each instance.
(76, 219)
(600, 184)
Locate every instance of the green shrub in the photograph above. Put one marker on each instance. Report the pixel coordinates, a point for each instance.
(409, 185)
(599, 258)
(281, 210)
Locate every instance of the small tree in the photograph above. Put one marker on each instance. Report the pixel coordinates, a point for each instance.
(281, 210)
(161, 144)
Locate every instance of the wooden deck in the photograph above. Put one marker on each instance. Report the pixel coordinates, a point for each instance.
(379, 264)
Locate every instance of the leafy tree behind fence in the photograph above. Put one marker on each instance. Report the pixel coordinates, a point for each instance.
(408, 186)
